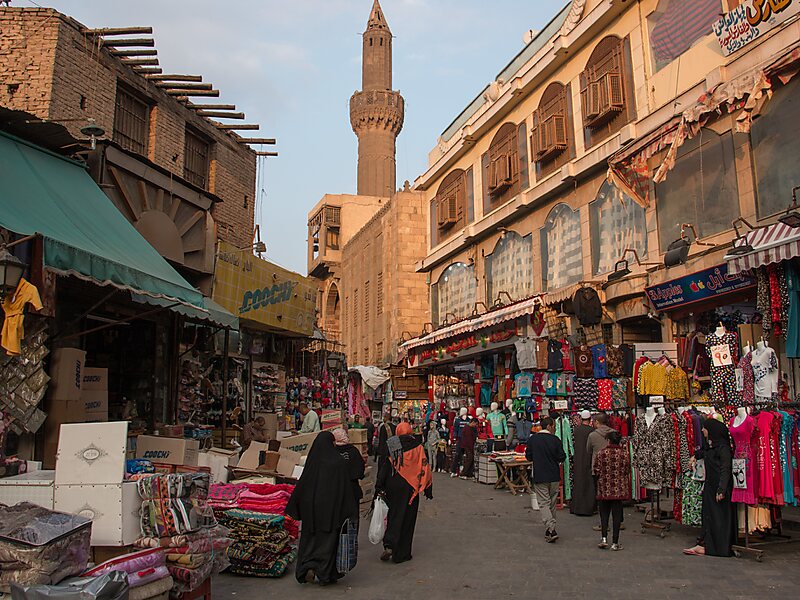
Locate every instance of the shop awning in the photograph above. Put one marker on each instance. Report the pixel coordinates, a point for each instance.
(495, 317)
(770, 244)
(84, 234)
(211, 312)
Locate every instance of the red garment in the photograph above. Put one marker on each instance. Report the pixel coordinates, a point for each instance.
(484, 429)
(468, 436)
(677, 505)
(775, 454)
(764, 468)
(604, 387)
(636, 366)
(613, 469)
(471, 410)
(565, 356)
(775, 302)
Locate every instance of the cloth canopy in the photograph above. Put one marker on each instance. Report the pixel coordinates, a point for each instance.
(770, 244)
(84, 234)
(372, 376)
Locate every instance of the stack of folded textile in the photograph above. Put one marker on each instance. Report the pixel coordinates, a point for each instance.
(263, 498)
(261, 545)
(148, 576)
(177, 519)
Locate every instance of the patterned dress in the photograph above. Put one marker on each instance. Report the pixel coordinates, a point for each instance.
(723, 377)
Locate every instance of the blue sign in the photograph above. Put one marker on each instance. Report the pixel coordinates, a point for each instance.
(703, 285)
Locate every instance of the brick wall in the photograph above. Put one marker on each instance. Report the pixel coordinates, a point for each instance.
(53, 70)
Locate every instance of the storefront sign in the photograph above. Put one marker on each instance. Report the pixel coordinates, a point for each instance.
(703, 285)
(750, 21)
(257, 290)
(466, 345)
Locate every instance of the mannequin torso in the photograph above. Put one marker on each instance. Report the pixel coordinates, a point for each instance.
(649, 415)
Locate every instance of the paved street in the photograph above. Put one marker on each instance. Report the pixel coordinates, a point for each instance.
(475, 542)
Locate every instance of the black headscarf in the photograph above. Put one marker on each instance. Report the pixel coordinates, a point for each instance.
(718, 435)
(323, 499)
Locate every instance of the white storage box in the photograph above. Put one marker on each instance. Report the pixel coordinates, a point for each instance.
(113, 509)
(91, 453)
(36, 488)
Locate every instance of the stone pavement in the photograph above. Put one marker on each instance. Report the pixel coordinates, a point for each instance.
(474, 542)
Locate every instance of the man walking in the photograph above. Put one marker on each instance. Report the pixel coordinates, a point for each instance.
(546, 453)
(596, 441)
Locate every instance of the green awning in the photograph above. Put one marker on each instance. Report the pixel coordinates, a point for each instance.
(210, 313)
(84, 233)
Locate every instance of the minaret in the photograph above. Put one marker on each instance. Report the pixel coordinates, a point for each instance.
(376, 112)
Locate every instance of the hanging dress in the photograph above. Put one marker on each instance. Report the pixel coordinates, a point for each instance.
(743, 449)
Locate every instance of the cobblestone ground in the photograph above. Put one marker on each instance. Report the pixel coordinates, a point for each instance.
(476, 542)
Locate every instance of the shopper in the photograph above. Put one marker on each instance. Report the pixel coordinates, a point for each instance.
(254, 431)
(323, 501)
(355, 462)
(612, 468)
(598, 439)
(310, 419)
(718, 529)
(431, 443)
(469, 435)
(370, 435)
(385, 431)
(409, 476)
(546, 453)
(583, 491)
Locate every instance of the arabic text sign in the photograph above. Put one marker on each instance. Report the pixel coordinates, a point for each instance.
(751, 20)
(702, 285)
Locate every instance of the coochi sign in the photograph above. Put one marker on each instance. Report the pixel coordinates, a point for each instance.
(261, 298)
(751, 20)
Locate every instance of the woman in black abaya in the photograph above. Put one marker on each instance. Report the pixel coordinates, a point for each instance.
(322, 500)
(718, 530)
(409, 475)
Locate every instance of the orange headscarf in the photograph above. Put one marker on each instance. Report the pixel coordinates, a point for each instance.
(413, 465)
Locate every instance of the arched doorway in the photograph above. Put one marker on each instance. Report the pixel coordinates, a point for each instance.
(333, 308)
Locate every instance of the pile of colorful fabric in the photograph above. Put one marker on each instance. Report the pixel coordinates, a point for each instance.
(148, 576)
(177, 519)
(261, 545)
(266, 498)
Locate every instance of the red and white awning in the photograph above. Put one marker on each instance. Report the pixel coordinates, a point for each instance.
(495, 317)
(770, 244)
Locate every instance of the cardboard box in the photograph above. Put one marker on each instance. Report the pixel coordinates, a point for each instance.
(218, 461)
(91, 453)
(270, 461)
(299, 443)
(251, 458)
(113, 509)
(66, 373)
(36, 487)
(95, 379)
(171, 451)
(271, 424)
(174, 431)
(95, 403)
(357, 436)
(287, 461)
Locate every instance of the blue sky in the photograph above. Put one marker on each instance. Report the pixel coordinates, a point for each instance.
(292, 65)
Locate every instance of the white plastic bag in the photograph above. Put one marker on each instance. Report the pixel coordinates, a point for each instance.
(534, 502)
(377, 526)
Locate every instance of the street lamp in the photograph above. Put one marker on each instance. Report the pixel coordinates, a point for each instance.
(11, 269)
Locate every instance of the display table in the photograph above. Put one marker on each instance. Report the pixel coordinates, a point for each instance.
(513, 475)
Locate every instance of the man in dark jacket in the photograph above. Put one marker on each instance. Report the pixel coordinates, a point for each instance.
(546, 453)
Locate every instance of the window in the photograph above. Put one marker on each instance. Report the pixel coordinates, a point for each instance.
(502, 171)
(131, 121)
(509, 268)
(332, 238)
(552, 143)
(522, 153)
(562, 256)
(379, 352)
(434, 216)
(379, 295)
(606, 94)
(701, 189)
(366, 356)
(776, 147)
(616, 223)
(195, 160)
(485, 197)
(355, 310)
(451, 199)
(366, 302)
(676, 25)
(470, 196)
(333, 216)
(453, 296)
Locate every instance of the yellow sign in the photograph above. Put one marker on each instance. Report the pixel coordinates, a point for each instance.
(257, 290)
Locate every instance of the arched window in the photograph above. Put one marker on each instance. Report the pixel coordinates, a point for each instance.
(676, 25)
(606, 90)
(450, 204)
(502, 170)
(617, 223)
(552, 140)
(562, 256)
(701, 189)
(509, 268)
(454, 294)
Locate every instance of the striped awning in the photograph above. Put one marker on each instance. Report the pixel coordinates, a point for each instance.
(771, 244)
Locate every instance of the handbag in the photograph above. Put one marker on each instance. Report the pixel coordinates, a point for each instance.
(347, 554)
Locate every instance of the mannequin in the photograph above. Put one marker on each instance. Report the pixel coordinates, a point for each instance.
(661, 411)
(741, 415)
(499, 426)
(460, 421)
(760, 345)
(511, 422)
(443, 432)
(720, 330)
(649, 415)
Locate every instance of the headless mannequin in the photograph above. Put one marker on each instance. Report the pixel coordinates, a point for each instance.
(720, 331)
(649, 415)
(661, 411)
(741, 415)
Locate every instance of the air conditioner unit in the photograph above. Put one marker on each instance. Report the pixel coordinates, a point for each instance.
(448, 210)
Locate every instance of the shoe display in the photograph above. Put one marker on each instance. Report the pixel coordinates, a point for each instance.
(603, 544)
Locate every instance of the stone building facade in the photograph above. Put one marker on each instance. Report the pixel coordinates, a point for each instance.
(57, 69)
(520, 199)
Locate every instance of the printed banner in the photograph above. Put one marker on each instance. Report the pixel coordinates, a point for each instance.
(709, 283)
(751, 20)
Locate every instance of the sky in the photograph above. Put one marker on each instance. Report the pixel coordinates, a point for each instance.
(292, 65)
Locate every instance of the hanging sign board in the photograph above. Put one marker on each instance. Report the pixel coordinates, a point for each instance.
(703, 285)
(751, 20)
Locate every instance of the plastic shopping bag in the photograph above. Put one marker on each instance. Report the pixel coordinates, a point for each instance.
(534, 502)
(377, 525)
